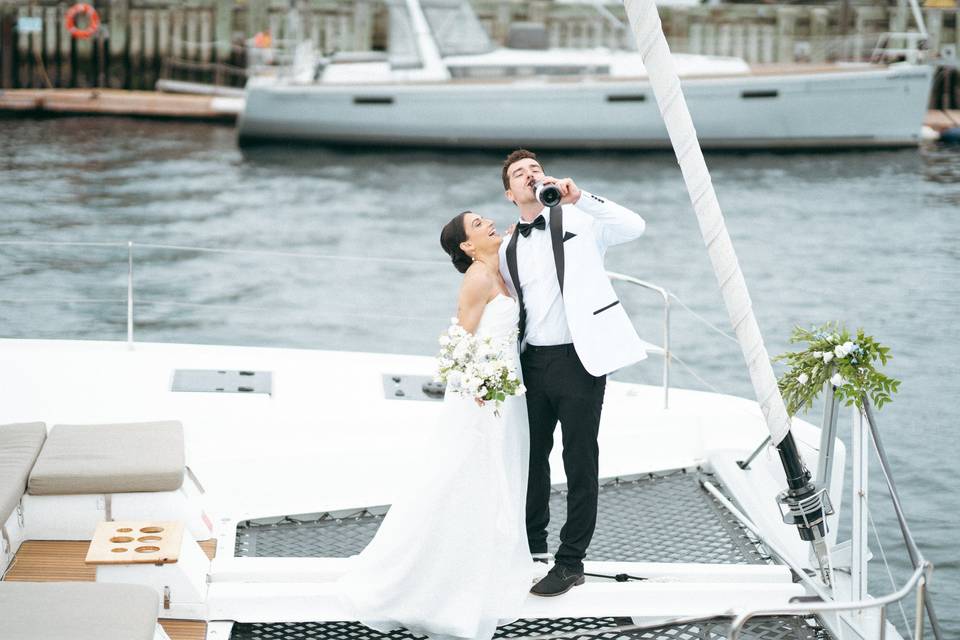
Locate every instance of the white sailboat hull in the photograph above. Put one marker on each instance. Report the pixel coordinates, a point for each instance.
(860, 107)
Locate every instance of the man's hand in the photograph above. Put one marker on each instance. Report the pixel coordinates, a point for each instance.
(569, 190)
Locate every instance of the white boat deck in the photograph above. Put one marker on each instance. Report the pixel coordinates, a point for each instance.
(328, 438)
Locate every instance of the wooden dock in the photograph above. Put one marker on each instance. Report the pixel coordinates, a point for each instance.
(205, 40)
(117, 102)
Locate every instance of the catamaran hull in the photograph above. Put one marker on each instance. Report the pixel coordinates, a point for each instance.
(873, 107)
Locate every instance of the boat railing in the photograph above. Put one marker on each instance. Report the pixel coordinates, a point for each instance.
(896, 46)
(918, 580)
(665, 295)
(823, 599)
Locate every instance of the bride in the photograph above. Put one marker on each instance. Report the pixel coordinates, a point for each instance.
(451, 560)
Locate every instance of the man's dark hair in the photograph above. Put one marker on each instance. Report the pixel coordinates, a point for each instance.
(519, 154)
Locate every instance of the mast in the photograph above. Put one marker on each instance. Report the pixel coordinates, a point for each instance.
(805, 504)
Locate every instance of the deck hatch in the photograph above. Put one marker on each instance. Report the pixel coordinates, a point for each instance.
(222, 381)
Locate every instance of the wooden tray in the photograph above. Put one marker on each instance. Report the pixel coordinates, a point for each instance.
(135, 542)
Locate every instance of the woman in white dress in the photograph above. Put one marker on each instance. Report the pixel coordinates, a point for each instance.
(450, 559)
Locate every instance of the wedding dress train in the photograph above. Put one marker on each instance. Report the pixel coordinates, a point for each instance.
(450, 559)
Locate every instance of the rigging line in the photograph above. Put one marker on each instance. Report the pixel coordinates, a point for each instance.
(619, 577)
(674, 356)
(232, 307)
(61, 243)
(63, 300)
(886, 564)
(702, 319)
(292, 254)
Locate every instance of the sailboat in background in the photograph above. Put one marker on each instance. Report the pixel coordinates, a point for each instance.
(442, 82)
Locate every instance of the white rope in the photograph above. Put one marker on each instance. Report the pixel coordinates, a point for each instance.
(886, 564)
(652, 45)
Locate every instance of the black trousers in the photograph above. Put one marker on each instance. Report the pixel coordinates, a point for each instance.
(559, 388)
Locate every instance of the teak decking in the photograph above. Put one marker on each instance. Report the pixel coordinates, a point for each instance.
(63, 561)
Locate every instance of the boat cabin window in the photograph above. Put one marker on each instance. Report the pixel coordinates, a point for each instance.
(456, 28)
(402, 50)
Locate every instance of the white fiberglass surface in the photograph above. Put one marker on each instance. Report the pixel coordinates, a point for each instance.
(327, 438)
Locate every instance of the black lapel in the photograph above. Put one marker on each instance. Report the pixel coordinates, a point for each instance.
(556, 238)
(514, 275)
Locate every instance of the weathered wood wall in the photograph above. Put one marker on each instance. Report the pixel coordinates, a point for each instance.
(203, 39)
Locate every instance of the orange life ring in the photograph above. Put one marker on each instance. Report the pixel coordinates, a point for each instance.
(93, 20)
(262, 40)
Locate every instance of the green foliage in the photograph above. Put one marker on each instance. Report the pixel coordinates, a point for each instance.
(833, 355)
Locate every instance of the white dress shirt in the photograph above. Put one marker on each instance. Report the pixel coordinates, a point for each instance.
(546, 320)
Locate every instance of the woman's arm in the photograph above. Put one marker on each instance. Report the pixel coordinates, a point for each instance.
(474, 293)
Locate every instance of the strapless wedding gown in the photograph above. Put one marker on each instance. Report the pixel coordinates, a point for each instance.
(450, 559)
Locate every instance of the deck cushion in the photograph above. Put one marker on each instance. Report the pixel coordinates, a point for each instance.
(110, 458)
(77, 610)
(20, 445)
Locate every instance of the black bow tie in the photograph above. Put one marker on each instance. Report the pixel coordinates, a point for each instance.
(526, 228)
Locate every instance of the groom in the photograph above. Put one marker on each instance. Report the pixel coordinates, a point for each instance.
(573, 331)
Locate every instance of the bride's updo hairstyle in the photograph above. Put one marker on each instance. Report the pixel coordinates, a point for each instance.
(450, 238)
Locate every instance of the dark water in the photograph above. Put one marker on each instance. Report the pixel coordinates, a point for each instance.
(870, 239)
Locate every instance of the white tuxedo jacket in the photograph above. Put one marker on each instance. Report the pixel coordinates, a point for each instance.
(602, 333)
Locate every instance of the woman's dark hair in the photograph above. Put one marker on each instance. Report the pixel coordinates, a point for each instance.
(452, 235)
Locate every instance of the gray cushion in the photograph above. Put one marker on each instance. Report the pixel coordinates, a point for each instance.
(19, 446)
(77, 610)
(110, 458)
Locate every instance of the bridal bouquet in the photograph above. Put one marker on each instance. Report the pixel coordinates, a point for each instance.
(480, 368)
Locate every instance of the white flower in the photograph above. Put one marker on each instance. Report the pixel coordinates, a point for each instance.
(839, 351)
(803, 378)
(837, 380)
(461, 350)
(444, 341)
(817, 354)
(827, 356)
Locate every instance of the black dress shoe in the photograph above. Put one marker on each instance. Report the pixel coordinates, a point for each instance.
(559, 580)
